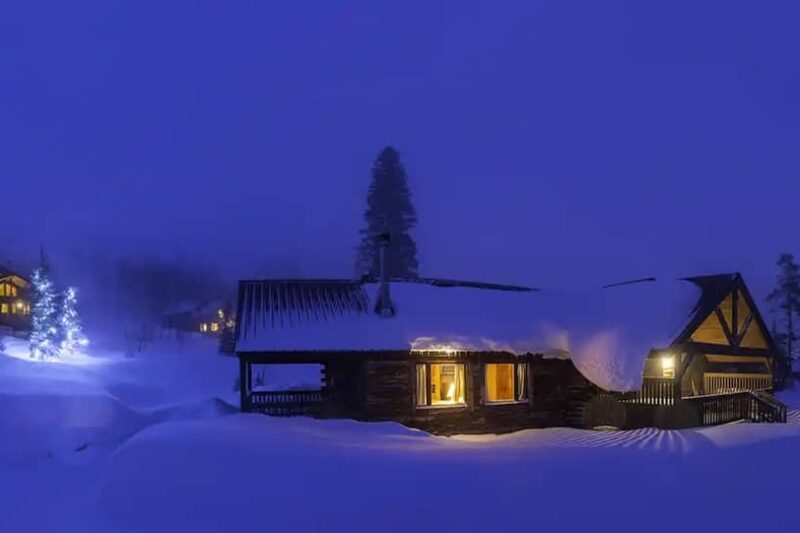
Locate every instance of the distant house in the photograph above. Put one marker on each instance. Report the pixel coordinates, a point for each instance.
(457, 357)
(15, 305)
(206, 318)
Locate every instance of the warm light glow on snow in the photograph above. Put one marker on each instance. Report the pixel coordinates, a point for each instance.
(20, 349)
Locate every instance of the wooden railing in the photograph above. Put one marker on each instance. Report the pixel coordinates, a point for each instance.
(654, 391)
(734, 406)
(719, 383)
(286, 403)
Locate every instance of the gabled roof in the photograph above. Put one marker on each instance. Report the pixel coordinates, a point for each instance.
(20, 280)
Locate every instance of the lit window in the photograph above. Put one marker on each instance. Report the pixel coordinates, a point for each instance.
(506, 382)
(204, 327)
(214, 326)
(12, 290)
(4, 308)
(3, 289)
(440, 384)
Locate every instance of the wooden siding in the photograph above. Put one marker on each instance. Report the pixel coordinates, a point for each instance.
(754, 338)
(710, 331)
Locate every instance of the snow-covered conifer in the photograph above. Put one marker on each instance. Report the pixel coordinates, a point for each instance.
(44, 326)
(69, 324)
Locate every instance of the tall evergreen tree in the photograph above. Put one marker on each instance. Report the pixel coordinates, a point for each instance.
(389, 210)
(69, 324)
(227, 341)
(44, 327)
(786, 298)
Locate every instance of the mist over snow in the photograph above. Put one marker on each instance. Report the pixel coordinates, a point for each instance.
(544, 143)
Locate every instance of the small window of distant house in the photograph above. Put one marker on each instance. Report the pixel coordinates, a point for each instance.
(3, 308)
(214, 326)
(440, 384)
(506, 382)
(203, 327)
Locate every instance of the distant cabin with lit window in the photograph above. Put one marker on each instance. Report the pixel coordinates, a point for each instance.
(15, 305)
(204, 318)
(462, 357)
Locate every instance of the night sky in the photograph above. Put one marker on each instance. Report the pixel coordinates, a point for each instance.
(546, 142)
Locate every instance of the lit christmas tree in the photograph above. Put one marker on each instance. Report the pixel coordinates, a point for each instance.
(69, 324)
(44, 330)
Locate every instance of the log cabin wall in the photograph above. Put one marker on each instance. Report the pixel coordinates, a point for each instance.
(556, 394)
(382, 387)
(560, 391)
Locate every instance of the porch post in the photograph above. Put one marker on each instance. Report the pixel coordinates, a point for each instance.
(244, 384)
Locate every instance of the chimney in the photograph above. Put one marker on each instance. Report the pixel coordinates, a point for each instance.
(384, 306)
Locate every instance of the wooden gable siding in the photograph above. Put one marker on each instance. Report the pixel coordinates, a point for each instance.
(734, 323)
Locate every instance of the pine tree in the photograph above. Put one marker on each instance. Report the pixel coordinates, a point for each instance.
(227, 339)
(69, 324)
(786, 297)
(389, 210)
(44, 330)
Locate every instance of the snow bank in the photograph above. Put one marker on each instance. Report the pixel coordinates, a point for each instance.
(250, 472)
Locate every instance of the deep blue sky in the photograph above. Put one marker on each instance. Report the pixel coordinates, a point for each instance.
(545, 141)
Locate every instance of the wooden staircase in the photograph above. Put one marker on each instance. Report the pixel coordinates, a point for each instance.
(750, 406)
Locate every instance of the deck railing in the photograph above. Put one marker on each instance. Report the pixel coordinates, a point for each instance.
(654, 391)
(719, 383)
(734, 406)
(286, 403)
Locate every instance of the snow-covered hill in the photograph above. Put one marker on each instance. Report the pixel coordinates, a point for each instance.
(154, 443)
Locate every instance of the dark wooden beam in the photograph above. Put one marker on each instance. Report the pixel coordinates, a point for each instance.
(720, 349)
(724, 324)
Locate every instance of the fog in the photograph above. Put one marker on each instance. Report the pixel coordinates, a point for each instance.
(547, 143)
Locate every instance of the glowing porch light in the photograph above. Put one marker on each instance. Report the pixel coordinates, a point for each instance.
(668, 366)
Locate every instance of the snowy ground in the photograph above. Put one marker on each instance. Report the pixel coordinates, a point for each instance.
(154, 443)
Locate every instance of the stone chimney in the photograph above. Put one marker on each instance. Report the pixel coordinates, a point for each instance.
(384, 306)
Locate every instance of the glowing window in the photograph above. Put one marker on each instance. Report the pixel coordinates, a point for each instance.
(3, 308)
(506, 382)
(440, 384)
(204, 327)
(214, 326)
(3, 289)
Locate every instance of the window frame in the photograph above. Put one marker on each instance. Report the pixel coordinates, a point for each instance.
(428, 398)
(484, 396)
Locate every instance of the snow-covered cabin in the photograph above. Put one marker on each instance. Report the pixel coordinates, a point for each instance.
(15, 305)
(469, 357)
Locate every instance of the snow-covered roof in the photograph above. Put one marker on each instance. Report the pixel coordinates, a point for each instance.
(337, 315)
(608, 332)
